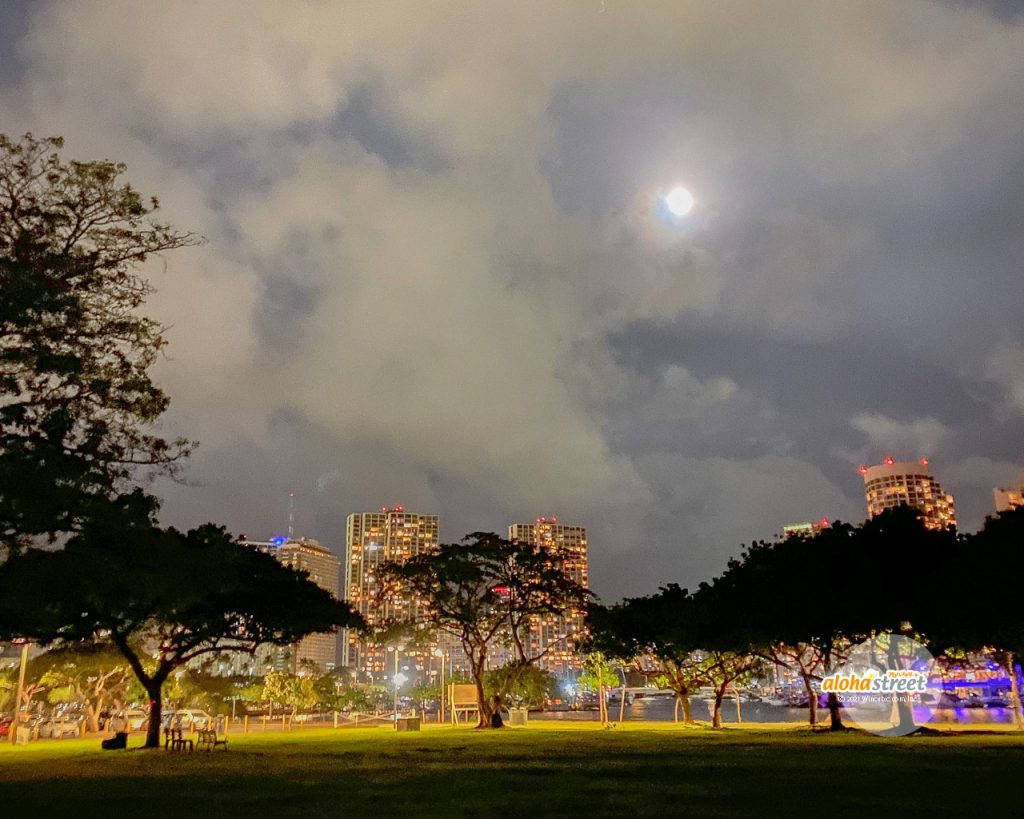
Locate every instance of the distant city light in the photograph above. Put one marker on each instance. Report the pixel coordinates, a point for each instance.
(280, 540)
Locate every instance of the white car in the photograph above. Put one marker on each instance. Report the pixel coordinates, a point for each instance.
(137, 718)
(61, 727)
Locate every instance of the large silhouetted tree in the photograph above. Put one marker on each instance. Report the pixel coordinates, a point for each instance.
(160, 597)
(484, 591)
(982, 611)
(76, 400)
(663, 627)
(801, 596)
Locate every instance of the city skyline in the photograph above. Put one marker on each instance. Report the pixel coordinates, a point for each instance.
(482, 290)
(1004, 499)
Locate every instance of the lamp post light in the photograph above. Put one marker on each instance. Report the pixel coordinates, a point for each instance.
(395, 678)
(440, 712)
(400, 680)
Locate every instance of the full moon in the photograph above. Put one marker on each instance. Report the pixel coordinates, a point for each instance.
(679, 201)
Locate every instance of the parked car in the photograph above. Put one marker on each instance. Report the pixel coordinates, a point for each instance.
(137, 719)
(191, 719)
(61, 727)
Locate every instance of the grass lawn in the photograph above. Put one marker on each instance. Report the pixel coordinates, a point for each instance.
(547, 769)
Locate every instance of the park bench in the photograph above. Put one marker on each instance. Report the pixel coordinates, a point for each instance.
(208, 739)
(175, 740)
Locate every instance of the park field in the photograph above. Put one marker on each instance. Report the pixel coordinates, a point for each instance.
(546, 769)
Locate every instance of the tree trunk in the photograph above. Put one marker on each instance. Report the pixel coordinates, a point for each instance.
(92, 716)
(155, 691)
(904, 711)
(683, 704)
(153, 685)
(716, 711)
(684, 701)
(1008, 663)
(835, 716)
(812, 701)
(481, 698)
(622, 700)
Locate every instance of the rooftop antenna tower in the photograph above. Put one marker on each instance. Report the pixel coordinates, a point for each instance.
(291, 515)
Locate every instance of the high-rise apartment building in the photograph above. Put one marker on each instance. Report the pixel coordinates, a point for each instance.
(804, 529)
(373, 539)
(895, 483)
(1008, 499)
(323, 568)
(555, 634)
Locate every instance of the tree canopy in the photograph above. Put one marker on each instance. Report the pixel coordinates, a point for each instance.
(484, 591)
(77, 407)
(802, 602)
(159, 596)
(76, 399)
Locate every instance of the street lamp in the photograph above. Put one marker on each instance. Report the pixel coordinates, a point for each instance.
(396, 676)
(440, 713)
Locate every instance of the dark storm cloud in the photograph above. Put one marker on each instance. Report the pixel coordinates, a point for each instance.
(437, 274)
(372, 127)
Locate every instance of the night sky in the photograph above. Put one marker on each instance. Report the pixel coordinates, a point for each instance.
(440, 272)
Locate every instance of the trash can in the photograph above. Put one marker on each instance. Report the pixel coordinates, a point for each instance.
(407, 724)
(517, 716)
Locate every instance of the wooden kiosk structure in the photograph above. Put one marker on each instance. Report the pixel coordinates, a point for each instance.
(462, 703)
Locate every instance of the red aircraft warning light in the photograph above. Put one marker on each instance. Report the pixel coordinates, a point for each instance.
(889, 460)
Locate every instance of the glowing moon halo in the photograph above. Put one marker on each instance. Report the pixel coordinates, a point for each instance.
(679, 201)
